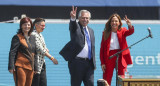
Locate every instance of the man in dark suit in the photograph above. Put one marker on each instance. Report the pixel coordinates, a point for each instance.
(80, 50)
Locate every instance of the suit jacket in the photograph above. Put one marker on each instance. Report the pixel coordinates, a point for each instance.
(77, 42)
(105, 45)
(22, 53)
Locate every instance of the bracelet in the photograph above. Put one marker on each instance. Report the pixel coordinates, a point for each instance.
(51, 58)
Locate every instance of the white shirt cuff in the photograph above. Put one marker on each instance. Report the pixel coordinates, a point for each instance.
(73, 19)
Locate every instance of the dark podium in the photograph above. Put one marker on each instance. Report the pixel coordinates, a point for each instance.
(139, 80)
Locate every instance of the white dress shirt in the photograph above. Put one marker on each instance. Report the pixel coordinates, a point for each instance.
(84, 52)
(114, 43)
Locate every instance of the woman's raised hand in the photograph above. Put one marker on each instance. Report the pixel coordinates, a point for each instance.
(128, 21)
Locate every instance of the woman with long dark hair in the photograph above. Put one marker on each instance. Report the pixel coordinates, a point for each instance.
(114, 40)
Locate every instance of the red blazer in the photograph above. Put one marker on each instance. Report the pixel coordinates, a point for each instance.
(105, 45)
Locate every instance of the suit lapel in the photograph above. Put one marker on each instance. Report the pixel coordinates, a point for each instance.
(81, 28)
(90, 33)
(119, 35)
(109, 42)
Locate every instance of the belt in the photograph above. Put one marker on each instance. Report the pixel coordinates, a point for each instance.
(80, 58)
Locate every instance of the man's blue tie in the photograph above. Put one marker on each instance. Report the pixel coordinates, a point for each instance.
(89, 43)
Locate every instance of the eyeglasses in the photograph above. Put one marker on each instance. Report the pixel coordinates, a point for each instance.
(43, 25)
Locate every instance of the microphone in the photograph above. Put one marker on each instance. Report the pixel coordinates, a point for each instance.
(114, 55)
(111, 56)
(150, 34)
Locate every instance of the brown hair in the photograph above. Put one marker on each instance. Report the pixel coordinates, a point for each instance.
(107, 29)
(22, 21)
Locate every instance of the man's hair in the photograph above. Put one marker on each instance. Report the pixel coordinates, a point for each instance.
(102, 82)
(84, 11)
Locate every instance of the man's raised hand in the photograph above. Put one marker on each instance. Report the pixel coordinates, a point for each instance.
(73, 12)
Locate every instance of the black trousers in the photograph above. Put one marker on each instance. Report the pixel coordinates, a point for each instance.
(81, 70)
(40, 79)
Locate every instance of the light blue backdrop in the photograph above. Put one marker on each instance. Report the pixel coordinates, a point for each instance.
(145, 55)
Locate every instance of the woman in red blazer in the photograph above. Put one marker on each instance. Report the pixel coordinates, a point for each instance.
(114, 40)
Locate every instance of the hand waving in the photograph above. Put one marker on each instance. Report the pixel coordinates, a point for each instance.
(73, 12)
(128, 21)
